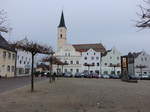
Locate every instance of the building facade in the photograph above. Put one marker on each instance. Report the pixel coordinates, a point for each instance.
(7, 59)
(141, 59)
(23, 61)
(111, 62)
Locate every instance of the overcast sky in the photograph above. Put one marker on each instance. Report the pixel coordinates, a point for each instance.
(88, 21)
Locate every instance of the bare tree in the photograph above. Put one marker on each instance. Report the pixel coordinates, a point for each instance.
(53, 60)
(33, 48)
(3, 17)
(144, 21)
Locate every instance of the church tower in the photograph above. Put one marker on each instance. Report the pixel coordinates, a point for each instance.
(62, 30)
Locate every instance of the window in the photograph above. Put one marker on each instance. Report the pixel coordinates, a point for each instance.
(118, 72)
(20, 62)
(12, 68)
(112, 72)
(113, 52)
(27, 71)
(60, 35)
(66, 62)
(93, 64)
(68, 54)
(141, 59)
(85, 58)
(14, 56)
(77, 62)
(22, 57)
(110, 64)
(105, 72)
(94, 53)
(65, 54)
(87, 53)
(24, 62)
(8, 68)
(71, 70)
(105, 64)
(110, 57)
(145, 59)
(97, 58)
(117, 58)
(4, 54)
(77, 70)
(97, 72)
(71, 62)
(65, 70)
(9, 55)
(97, 64)
(85, 63)
(92, 58)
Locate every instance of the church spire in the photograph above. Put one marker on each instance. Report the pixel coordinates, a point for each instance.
(62, 21)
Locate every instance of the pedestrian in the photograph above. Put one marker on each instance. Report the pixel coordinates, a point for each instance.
(54, 75)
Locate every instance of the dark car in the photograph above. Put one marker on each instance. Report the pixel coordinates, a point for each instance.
(89, 75)
(133, 77)
(95, 75)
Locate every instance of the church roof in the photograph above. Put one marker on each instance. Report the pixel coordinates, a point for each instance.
(5, 45)
(62, 21)
(98, 47)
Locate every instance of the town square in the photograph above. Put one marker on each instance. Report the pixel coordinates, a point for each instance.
(74, 56)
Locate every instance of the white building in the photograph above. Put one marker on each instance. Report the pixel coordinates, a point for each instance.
(111, 61)
(141, 59)
(24, 61)
(76, 55)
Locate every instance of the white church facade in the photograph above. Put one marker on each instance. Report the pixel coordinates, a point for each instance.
(76, 55)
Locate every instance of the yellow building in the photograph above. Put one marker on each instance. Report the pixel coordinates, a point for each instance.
(7, 59)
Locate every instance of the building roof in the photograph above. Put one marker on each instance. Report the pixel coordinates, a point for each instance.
(105, 53)
(98, 47)
(135, 54)
(62, 21)
(5, 45)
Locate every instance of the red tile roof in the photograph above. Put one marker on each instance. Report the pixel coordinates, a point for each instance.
(98, 47)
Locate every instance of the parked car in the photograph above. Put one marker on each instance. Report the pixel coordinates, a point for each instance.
(79, 75)
(68, 74)
(95, 75)
(87, 75)
(133, 77)
(105, 76)
(144, 77)
(114, 76)
(59, 74)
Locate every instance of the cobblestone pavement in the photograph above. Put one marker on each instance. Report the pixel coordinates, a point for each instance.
(79, 95)
(7, 84)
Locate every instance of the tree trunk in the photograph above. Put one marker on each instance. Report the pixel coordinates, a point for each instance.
(32, 74)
